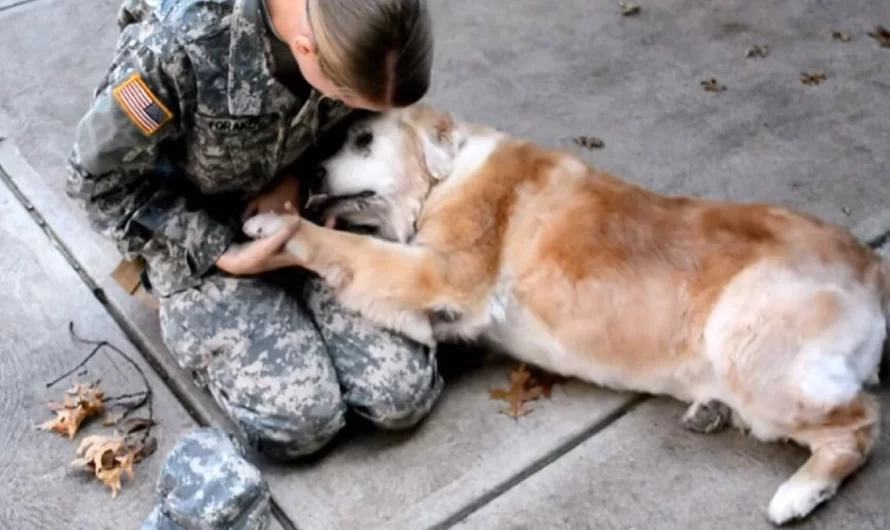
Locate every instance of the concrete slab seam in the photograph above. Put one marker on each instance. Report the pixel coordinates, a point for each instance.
(15, 4)
(281, 517)
(181, 394)
(541, 463)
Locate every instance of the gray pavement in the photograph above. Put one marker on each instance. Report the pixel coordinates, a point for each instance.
(645, 472)
(39, 294)
(549, 71)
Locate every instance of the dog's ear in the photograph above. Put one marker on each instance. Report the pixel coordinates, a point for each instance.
(438, 141)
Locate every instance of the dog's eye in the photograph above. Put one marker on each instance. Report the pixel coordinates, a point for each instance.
(364, 139)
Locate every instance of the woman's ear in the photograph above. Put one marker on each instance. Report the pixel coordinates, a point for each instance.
(304, 45)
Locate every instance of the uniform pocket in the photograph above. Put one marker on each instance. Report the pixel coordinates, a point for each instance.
(226, 154)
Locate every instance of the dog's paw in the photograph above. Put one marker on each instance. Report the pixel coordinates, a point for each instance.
(794, 500)
(264, 224)
(707, 417)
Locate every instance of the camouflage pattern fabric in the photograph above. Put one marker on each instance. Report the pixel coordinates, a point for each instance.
(207, 484)
(193, 86)
(199, 112)
(287, 374)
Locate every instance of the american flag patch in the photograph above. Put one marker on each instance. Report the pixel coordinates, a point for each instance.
(142, 107)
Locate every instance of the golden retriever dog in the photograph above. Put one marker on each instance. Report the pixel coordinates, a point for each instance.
(772, 316)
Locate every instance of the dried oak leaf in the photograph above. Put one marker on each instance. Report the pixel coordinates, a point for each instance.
(589, 142)
(108, 458)
(629, 10)
(518, 394)
(758, 50)
(812, 78)
(712, 85)
(81, 402)
(546, 381)
(843, 36)
(882, 35)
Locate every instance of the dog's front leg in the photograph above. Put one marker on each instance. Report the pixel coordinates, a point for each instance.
(396, 286)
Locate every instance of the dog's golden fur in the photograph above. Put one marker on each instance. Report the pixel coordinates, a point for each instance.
(776, 314)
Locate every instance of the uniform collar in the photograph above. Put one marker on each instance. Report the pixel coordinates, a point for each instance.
(250, 75)
(251, 81)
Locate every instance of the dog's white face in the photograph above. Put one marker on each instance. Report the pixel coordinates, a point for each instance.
(371, 160)
(383, 171)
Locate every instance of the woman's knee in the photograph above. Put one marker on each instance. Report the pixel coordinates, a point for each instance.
(263, 360)
(288, 435)
(387, 378)
(400, 395)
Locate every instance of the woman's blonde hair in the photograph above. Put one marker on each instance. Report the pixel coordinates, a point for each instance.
(380, 50)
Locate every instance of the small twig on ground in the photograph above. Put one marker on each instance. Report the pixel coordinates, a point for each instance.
(145, 397)
(140, 395)
(130, 407)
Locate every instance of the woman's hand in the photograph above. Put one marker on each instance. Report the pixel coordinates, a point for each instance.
(275, 200)
(261, 255)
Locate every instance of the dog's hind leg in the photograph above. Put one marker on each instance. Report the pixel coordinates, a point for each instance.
(840, 445)
(794, 355)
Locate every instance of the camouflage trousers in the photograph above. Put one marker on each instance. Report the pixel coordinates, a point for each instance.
(286, 361)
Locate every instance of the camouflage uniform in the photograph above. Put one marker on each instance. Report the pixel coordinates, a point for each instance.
(207, 483)
(201, 110)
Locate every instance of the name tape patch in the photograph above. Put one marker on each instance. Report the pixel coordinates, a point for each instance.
(233, 124)
(143, 108)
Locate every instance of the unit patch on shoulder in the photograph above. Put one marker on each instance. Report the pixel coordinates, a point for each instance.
(143, 108)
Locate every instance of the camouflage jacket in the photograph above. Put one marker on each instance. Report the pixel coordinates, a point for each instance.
(189, 116)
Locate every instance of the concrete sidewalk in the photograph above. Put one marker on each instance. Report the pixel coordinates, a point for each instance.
(546, 70)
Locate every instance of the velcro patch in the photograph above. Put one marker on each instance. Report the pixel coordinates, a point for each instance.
(143, 108)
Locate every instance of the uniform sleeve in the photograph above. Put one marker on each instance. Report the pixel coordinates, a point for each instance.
(137, 109)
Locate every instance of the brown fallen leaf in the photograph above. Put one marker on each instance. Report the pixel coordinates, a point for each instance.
(812, 78)
(108, 458)
(90, 396)
(629, 10)
(843, 36)
(589, 142)
(712, 85)
(518, 394)
(882, 35)
(110, 477)
(81, 402)
(546, 381)
(757, 50)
